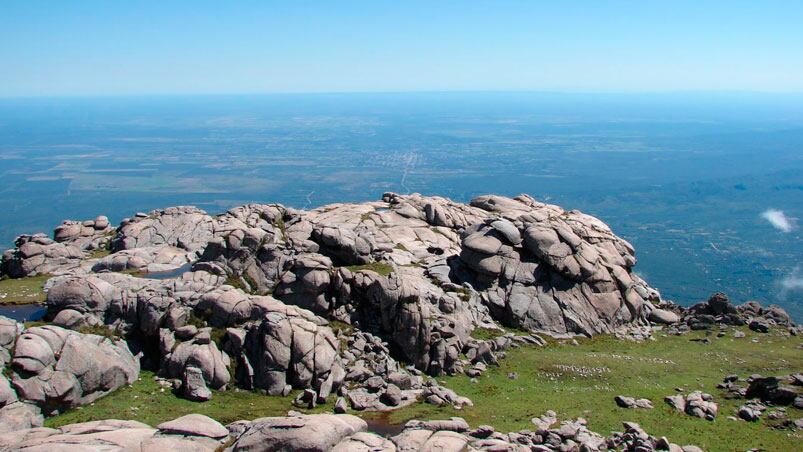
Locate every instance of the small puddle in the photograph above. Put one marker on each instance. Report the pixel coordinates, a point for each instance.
(379, 423)
(23, 312)
(169, 274)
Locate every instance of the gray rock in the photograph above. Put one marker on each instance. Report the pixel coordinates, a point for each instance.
(61, 369)
(193, 385)
(18, 415)
(630, 402)
(392, 396)
(759, 325)
(663, 316)
(340, 406)
(318, 432)
(194, 425)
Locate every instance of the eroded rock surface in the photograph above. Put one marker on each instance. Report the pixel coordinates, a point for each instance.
(411, 276)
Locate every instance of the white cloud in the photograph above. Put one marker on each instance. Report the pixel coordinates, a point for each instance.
(779, 220)
(793, 282)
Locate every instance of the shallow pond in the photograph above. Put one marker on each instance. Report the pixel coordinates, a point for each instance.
(23, 312)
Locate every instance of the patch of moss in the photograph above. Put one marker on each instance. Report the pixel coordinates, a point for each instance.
(282, 228)
(23, 290)
(99, 330)
(99, 253)
(218, 335)
(464, 293)
(243, 282)
(378, 267)
(485, 334)
(400, 246)
(198, 320)
(236, 282)
(338, 327)
(35, 323)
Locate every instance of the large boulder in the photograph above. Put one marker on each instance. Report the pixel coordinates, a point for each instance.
(202, 354)
(188, 228)
(188, 433)
(317, 432)
(56, 368)
(39, 255)
(289, 349)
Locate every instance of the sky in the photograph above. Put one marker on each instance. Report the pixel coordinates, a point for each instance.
(88, 48)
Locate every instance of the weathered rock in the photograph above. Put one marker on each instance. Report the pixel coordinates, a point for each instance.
(392, 395)
(318, 432)
(187, 228)
(200, 354)
(57, 368)
(194, 425)
(39, 255)
(663, 316)
(340, 406)
(770, 389)
(630, 402)
(191, 433)
(759, 325)
(290, 348)
(696, 404)
(19, 415)
(193, 385)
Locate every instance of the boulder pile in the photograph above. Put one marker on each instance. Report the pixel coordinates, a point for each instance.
(51, 369)
(324, 432)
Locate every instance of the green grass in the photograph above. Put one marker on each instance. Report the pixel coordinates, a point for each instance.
(143, 401)
(99, 253)
(650, 369)
(23, 290)
(99, 330)
(378, 267)
(485, 334)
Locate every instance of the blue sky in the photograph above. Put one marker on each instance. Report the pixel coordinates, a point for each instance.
(174, 47)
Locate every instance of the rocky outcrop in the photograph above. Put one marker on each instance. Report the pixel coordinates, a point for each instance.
(57, 369)
(325, 432)
(288, 349)
(718, 311)
(187, 228)
(39, 255)
(47, 369)
(543, 268)
(414, 275)
(535, 265)
(85, 235)
(697, 403)
(148, 259)
(193, 432)
(320, 432)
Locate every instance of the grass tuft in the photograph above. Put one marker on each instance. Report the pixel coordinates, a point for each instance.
(378, 267)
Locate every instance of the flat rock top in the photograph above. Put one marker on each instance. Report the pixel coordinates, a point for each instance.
(194, 425)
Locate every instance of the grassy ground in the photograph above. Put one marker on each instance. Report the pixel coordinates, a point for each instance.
(145, 401)
(605, 367)
(572, 380)
(23, 290)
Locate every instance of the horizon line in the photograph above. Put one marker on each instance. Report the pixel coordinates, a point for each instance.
(396, 92)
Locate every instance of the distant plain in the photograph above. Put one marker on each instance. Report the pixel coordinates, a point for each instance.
(685, 177)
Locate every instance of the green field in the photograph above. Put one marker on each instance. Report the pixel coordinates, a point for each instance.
(574, 381)
(23, 290)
